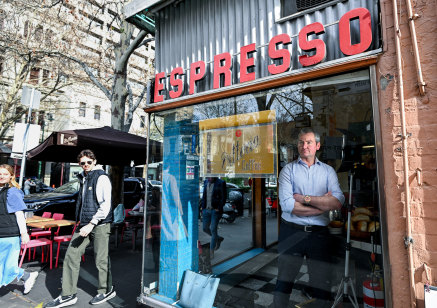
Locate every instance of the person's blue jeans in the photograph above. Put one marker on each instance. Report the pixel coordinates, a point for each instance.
(210, 225)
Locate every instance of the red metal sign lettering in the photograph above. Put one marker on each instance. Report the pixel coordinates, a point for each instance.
(194, 75)
(283, 54)
(176, 82)
(246, 62)
(317, 44)
(159, 86)
(344, 31)
(222, 65)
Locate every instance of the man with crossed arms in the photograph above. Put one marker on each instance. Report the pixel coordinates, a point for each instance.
(308, 190)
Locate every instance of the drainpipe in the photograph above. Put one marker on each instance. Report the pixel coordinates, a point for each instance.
(411, 18)
(408, 239)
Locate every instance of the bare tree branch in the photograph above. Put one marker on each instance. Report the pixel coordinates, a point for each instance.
(134, 45)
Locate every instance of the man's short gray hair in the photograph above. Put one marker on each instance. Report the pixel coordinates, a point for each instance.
(307, 130)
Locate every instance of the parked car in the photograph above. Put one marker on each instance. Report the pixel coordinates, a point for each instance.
(63, 199)
(155, 183)
(41, 187)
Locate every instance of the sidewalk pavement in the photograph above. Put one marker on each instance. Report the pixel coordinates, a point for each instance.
(126, 275)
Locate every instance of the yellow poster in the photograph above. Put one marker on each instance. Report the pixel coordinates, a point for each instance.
(239, 146)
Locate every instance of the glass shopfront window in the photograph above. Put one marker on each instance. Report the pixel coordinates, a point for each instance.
(245, 141)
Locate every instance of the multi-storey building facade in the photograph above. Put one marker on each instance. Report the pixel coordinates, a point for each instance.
(86, 31)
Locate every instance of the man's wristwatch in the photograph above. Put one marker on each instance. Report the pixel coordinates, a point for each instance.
(307, 199)
(93, 223)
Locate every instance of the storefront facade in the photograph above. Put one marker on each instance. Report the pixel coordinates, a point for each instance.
(237, 80)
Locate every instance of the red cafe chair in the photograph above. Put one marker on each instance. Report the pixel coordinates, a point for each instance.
(132, 225)
(64, 238)
(39, 242)
(126, 224)
(47, 215)
(46, 233)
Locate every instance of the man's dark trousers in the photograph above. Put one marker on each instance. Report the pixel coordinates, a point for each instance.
(293, 245)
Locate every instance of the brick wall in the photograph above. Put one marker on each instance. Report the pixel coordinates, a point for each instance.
(421, 118)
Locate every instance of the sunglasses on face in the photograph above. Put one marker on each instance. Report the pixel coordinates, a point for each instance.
(88, 162)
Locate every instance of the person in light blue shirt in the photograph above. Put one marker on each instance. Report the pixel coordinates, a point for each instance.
(308, 190)
(13, 231)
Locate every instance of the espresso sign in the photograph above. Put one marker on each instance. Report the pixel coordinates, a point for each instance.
(313, 51)
(239, 151)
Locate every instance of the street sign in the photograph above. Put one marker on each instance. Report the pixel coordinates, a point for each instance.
(29, 97)
(26, 97)
(19, 135)
(17, 155)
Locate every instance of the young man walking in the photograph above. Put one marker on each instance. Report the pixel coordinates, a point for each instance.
(93, 210)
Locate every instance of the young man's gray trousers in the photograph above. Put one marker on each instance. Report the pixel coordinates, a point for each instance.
(70, 274)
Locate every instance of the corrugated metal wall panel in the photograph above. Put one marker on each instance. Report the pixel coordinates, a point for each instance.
(197, 30)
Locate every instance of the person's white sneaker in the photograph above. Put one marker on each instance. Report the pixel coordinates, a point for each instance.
(62, 301)
(101, 298)
(28, 284)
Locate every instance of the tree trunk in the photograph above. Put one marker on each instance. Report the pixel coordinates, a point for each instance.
(118, 103)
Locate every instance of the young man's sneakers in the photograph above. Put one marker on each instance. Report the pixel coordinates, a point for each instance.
(28, 284)
(101, 298)
(62, 301)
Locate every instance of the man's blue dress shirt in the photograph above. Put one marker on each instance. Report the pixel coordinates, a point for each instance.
(317, 180)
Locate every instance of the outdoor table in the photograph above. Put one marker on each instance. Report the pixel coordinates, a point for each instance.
(50, 224)
(35, 218)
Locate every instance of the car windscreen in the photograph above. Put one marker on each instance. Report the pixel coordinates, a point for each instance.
(68, 188)
(130, 186)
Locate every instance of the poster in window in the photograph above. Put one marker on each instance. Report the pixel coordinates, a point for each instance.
(239, 146)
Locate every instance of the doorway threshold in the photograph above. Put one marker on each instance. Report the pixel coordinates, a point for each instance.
(236, 261)
(238, 269)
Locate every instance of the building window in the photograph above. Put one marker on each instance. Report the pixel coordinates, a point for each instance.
(96, 112)
(290, 7)
(49, 37)
(45, 76)
(33, 117)
(34, 75)
(26, 29)
(82, 109)
(1, 65)
(142, 121)
(19, 111)
(2, 20)
(41, 115)
(39, 33)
